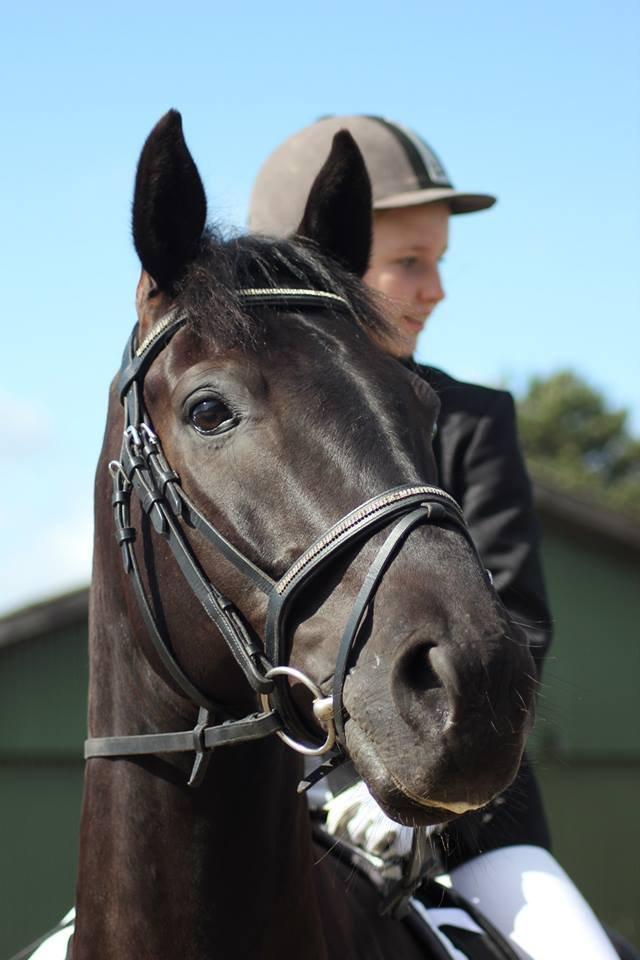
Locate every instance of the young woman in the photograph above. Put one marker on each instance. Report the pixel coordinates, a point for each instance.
(498, 857)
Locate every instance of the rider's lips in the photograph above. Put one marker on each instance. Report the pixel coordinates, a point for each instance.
(414, 324)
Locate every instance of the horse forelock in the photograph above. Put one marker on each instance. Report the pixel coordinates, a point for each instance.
(209, 291)
(332, 363)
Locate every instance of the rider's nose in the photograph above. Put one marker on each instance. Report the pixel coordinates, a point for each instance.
(431, 291)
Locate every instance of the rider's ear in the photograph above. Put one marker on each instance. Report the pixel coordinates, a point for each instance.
(169, 205)
(338, 214)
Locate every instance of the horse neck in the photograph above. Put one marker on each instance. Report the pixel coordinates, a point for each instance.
(225, 869)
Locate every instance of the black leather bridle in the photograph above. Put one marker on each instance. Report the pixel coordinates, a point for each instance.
(142, 469)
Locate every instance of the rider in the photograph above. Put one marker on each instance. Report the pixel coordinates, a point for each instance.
(499, 858)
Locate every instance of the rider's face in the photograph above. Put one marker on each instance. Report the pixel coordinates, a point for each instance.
(408, 245)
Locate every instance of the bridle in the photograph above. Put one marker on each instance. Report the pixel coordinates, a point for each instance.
(143, 470)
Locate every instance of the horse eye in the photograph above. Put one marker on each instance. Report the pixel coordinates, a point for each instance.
(209, 416)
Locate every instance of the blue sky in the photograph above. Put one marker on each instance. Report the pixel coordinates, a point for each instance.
(535, 102)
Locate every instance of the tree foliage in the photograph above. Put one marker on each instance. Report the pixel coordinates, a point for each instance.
(574, 440)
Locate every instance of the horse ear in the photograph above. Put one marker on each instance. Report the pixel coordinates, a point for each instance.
(169, 204)
(338, 214)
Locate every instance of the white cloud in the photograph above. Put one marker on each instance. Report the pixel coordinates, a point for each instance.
(48, 560)
(24, 427)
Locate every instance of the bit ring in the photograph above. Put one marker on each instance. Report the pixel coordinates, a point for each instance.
(321, 711)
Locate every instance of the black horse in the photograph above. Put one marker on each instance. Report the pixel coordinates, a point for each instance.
(276, 505)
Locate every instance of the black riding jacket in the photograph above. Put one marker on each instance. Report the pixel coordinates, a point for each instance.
(480, 464)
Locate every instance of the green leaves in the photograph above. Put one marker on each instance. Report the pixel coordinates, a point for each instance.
(574, 440)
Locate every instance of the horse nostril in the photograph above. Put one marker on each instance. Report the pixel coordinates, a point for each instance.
(442, 664)
(427, 686)
(416, 669)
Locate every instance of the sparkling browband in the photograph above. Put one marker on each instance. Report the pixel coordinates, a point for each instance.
(270, 294)
(289, 293)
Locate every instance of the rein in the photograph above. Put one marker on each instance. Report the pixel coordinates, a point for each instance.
(143, 470)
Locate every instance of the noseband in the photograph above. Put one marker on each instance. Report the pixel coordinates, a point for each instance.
(142, 469)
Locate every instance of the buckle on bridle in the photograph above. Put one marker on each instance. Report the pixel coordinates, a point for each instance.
(201, 761)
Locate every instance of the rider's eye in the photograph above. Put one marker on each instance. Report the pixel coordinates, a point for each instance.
(211, 416)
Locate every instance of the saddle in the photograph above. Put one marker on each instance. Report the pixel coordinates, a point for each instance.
(447, 925)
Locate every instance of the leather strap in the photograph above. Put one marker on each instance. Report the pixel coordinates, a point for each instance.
(364, 520)
(137, 360)
(383, 558)
(253, 727)
(360, 523)
(200, 523)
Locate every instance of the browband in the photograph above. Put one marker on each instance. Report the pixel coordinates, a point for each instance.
(138, 358)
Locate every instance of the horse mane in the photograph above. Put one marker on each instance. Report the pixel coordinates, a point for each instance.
(208, 291)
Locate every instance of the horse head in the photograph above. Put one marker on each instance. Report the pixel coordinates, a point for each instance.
(285, 430)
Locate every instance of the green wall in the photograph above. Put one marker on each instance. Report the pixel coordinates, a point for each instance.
(587, 738)
(43, 686)
(596, 835)
(590, 691)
